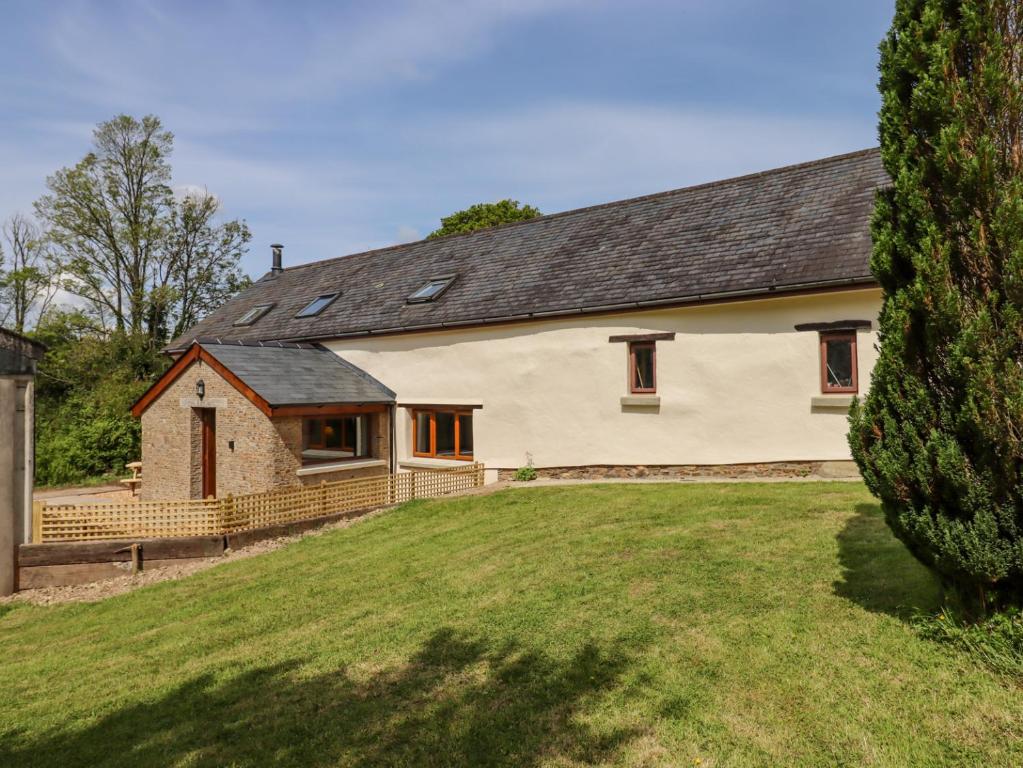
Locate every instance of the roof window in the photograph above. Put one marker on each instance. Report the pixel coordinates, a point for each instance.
(434, 287)
(254, 314)
(318, 304)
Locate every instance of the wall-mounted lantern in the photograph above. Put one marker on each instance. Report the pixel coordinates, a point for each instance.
(200, 389)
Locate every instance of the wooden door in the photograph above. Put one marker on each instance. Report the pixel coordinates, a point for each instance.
(208, 417)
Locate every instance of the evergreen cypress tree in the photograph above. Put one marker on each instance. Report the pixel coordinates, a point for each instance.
(939, 437)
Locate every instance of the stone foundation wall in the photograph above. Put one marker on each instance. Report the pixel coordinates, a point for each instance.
(783, 469)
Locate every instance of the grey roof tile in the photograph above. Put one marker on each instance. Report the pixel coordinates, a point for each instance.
(298, 374)
(782, 229)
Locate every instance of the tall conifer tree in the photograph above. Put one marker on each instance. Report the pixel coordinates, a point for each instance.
(939, 437)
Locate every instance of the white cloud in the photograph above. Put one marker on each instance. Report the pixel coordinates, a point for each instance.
(252, 92)
(410, 40)
(184, 192)
(407, 234)
(556, 156)
(206, 81)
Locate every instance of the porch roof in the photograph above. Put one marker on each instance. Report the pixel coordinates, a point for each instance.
(279, 377)
(299, 374)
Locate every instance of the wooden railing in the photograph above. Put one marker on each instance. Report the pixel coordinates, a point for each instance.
(230, 514)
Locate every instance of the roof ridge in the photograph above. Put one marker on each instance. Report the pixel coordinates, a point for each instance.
(597, 206)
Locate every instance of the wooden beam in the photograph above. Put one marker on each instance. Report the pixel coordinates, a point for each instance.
(169, 377)
(196, 354)
(441, 406)
(118, 550)
(669, 336)
(328, 409)
(836, 325)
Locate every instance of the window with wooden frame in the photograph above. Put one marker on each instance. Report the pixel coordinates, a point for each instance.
(838, 362)
(335, 438)
(442, 434)
(642, 367)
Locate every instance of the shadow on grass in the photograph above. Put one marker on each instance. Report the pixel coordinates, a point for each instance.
(457, 702)
(878, 572)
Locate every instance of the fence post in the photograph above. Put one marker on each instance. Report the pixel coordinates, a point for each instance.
(225, 509)
(37, 521)
(323, 497)
(414, 491)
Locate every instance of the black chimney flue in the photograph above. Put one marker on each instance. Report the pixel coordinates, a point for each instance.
(277, 248)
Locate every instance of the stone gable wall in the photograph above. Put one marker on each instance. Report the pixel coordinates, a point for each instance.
(266, 453)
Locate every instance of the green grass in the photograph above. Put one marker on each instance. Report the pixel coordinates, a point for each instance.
(637, 625)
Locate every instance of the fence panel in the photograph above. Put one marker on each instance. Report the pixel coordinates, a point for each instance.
(204, 517)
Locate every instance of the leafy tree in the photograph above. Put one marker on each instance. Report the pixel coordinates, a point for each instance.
(202, 271)
(87, 380)
(27, 272)
(149, 264)
(483, 215)
(939, 438)
(146, 262)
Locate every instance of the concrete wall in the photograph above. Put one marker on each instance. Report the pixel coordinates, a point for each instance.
(7, 487)
(266, 452)
(736, 385)
(24, 456)
(17, 460)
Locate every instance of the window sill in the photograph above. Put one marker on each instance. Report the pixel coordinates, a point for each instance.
(339, 466)
(641, 401)
(422, 463)
(831, 402)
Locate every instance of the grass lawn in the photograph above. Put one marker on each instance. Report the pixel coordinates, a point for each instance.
(713, 625)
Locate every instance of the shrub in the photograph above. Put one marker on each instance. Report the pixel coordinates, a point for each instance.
(526, 473)
(87, 381)
(940, 434)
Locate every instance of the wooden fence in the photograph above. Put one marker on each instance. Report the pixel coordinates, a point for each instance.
(231, 514)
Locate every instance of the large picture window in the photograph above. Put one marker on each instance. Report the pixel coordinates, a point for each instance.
(441, 434)
(838, 362)
(335, 438)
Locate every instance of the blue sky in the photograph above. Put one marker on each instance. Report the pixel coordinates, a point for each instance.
(336, 127)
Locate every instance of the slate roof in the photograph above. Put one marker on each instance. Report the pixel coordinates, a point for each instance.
(800, 227)
(299, 374)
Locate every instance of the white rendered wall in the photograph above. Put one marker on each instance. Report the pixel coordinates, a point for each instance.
(735, 385)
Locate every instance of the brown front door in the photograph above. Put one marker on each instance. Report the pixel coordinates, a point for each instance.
(208, 417)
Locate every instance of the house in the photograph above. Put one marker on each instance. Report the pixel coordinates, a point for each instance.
(18, 359)
(720, 328)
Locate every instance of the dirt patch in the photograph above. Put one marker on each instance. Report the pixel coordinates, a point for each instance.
(100, 590)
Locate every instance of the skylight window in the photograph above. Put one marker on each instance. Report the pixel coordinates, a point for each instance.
(317, 305)
(253, 314)
(433, 288)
